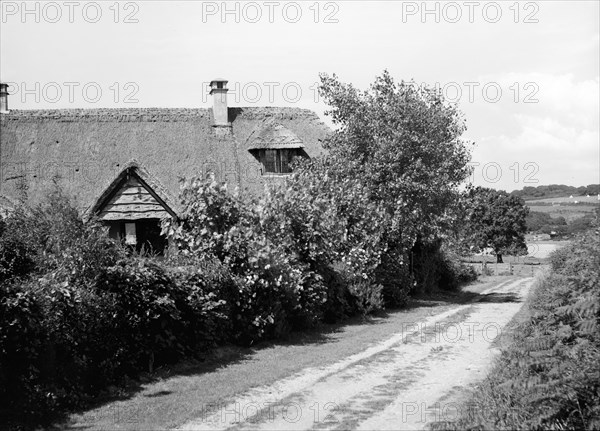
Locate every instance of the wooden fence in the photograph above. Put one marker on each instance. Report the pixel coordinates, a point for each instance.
(510, 268)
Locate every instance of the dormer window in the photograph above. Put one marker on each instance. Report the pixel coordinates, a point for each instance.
(277, 161)
(275, 147)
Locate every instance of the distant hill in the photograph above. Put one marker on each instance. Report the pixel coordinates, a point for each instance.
(553, 211)
(555, 191)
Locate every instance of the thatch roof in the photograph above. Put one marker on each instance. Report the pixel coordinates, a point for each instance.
(275, 136)
(85, 150)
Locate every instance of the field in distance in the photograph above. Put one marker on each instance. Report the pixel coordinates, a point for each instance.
(566, 200)
(537, 253)
(565, 207)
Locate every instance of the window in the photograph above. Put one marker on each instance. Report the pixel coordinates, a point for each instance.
(143, 234)
(277, 161)
(130, 237)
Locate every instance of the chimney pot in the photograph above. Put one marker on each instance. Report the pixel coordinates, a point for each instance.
(3, 98)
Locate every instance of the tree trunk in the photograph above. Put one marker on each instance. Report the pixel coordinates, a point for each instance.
(499, 258)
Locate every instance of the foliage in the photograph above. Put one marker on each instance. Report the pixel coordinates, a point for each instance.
(304, 252)
(555, 191)
(582, 224)
(543, 222)
(549, 378)
(81, 315)
(21, 339)
(272, 290)
(495, 220)
(205, 310)
(331, 224)
(16, 254)
(52, 239)
(147, 309)
(436, 266)
(61, 343)
(45, 252)
(403, 142)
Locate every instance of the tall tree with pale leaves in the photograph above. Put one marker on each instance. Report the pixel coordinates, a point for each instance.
(404, 144)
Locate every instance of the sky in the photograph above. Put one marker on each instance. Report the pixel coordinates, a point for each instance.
(525, 74)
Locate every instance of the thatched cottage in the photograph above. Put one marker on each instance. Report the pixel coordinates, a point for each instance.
(124, 165)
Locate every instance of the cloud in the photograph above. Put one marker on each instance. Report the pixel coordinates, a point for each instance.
(559, 134)
(561, 96)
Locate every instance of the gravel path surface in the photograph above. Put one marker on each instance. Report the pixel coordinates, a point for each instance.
(399, 383)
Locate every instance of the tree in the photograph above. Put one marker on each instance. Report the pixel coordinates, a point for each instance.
(537, 220)
(403, 142)
(496, 220)
(543, 222)
(581, 224)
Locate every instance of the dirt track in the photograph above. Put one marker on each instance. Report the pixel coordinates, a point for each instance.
(403, 382)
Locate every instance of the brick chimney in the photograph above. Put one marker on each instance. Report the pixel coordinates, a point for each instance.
(218, 90)
(3, 98)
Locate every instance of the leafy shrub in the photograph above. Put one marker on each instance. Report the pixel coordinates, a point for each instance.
(332, 225)
(270, 291)
(81, 315)
(21, 340)
(273, 296)
(205, 312)
(349, 294)
(367, 295)
(574, 259)
(455, 272)
(395, 278)
(340, 303)
(543, 222)
(582, 224)
(426, 264)
(61, 344)
(436, 267)
(16, 253)
(48, 315)
(58, 347)
(147, 307)
(51, 238)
